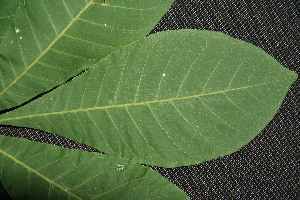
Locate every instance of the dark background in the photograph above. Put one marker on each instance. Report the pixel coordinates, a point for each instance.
(266, 168)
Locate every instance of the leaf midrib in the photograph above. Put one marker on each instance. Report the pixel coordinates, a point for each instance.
(39, 174)
(141, 103)
(47, 49)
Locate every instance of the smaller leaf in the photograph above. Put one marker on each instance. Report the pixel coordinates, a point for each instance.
(31, 170)
(63, 38)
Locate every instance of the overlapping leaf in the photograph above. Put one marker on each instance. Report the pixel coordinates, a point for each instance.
(172, 99)
(30, 170)
(63, 38)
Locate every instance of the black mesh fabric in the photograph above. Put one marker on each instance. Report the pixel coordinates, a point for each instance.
(266, 168)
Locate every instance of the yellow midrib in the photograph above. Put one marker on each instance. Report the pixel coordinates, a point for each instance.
(46, 50)
(39, 174)
(138, 103)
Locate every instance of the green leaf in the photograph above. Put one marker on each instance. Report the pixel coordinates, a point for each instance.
(30, 170)
(174, 98)
(65, 37)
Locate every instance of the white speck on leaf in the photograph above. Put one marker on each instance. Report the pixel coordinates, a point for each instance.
(120, 167)
(163, 74)
(17, 30)
(21, 38)
(11, 41)
(104, 24)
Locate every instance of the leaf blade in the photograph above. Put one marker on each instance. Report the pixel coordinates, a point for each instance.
(31, 170)
(171, 108)
(60, 38)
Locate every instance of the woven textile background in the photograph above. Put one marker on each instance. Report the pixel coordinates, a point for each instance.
(266, 168)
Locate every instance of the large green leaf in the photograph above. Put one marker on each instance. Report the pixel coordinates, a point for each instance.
(30, 170)
(63, 38)
(172, 99)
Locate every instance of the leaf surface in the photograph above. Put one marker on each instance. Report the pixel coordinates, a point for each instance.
(65, 37)
(30, 170)
(7, 14)
(174, 98)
